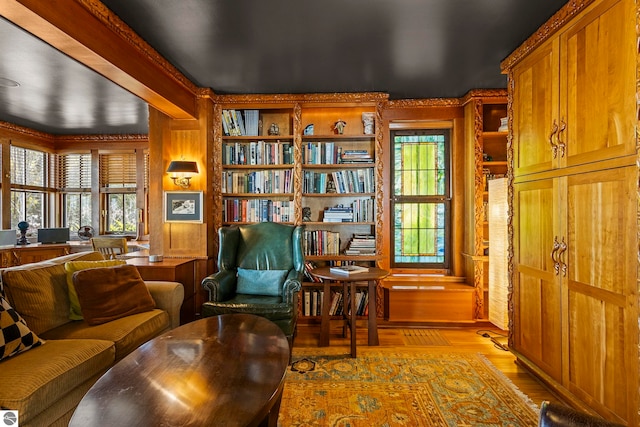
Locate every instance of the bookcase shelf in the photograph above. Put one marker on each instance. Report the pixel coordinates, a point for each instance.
(292, 114)
(486, 159)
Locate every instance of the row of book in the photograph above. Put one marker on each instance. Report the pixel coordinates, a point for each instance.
(256, 182)
(321, 242)
(361, 244)
(345, 181)
(257, 153)
(234, 124)
(328, 153)
(313, 300)
(257, 210)
(360, 210)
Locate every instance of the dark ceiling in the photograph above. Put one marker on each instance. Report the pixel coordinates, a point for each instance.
(406, 48)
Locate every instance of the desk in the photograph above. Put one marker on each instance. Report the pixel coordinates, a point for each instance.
(225, 370)
(180, 270)
(349, 284)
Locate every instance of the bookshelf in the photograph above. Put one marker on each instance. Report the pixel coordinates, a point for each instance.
(329, 181)
(257, 165)
(485, 159)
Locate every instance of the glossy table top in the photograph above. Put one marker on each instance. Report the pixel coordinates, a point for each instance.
(225, 371)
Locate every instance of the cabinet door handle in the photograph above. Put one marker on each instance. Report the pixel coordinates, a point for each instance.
(561, 251)
(554, 146)
(561, 144)
(556, 263)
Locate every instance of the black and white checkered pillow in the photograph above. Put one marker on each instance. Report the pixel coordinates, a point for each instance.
(15, 335)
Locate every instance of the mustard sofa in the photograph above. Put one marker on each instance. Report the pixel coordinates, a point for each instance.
(46, 383)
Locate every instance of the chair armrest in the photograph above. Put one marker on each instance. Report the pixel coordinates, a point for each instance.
(221, 286)
(291, 286)
(168, 296)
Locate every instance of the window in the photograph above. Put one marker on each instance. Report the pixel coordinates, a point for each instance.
(118, 186)
(74, 183)
(421, 199)
(29, 179)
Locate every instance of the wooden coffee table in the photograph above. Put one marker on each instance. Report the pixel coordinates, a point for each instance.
(225, 370)
(348, 283)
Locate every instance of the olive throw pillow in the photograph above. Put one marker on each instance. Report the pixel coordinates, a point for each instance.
(75, 313)
(261, 282)
(15, 335)
(110, 293)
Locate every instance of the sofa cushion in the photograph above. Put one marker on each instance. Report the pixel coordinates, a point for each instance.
(71, 267)
(110, 293)
(127, 333)
(261, 282)
(15, 335)
(39, 291)
(40, 377)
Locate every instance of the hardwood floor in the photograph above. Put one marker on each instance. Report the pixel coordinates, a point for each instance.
(467, 339)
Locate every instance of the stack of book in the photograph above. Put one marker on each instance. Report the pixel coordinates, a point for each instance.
(338, 213)
(355, 156)
(321, 242)
(348, 269)
(361, 244)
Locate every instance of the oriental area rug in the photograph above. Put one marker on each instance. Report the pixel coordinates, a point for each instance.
(384, 388)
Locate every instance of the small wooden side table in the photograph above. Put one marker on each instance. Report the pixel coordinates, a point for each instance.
(348, 283)
(180, 270)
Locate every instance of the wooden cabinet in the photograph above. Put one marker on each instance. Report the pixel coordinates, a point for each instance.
(575, 209)
(18, 255)
(575, 92)
(485, 159)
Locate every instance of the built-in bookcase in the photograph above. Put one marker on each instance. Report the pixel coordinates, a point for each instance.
(283, 159)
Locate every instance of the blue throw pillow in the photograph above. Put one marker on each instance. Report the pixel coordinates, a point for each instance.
(261, 282)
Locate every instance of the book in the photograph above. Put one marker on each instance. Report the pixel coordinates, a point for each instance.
(348, 269)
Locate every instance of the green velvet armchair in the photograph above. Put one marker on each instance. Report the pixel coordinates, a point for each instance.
(260, 272)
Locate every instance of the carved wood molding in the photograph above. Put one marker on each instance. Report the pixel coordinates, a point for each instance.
(297, 164)
(53, 139)
(118, 26)
(31, 133)
(484, 94)
(553, 24)
(427, 102)
(288, 98)
(216, 168)
(510, 231)
(379, 180)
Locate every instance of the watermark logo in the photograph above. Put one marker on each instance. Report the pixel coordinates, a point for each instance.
(9, 418)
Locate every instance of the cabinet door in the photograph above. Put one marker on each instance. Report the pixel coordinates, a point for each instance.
(600, 290)
(536, 284)
(598, 80)
(535, 100)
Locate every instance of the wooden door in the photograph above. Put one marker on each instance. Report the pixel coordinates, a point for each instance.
(535, 95)
(599, 291)
(598, 80)
(536, 283)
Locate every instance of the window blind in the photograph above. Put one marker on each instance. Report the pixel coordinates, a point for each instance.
(118, 170)
(74, 171)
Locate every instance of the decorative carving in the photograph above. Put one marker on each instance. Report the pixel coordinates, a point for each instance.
(297, 164)
(427, 102)
(557, 21)
(510, 249)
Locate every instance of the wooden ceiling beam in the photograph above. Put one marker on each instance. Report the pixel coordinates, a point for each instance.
(91, 34)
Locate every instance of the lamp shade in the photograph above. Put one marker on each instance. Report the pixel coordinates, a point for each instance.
(182, 166)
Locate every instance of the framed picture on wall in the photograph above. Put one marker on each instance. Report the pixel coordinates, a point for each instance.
(183, 206)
